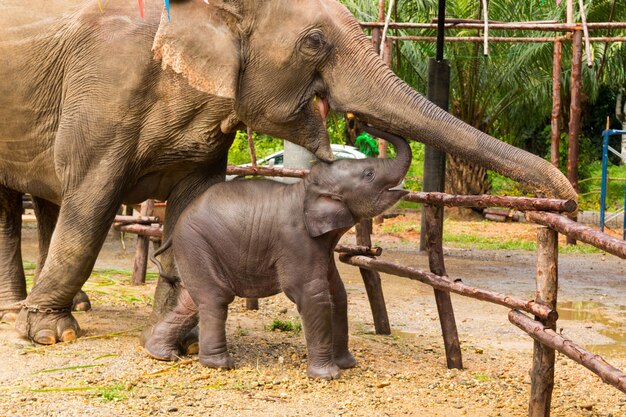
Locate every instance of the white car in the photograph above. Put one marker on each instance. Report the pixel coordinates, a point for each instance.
(276, 159)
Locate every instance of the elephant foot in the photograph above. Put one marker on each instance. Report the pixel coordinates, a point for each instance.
(190, 344)
(220, 361)
(158, 345)
(345, 361)
(9, 311)
(328, 372)
(81, 302)
(161, 343)
(47, 327)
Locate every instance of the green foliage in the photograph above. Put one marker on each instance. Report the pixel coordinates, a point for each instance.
(114, 392)
(590, 188)
(481, 377)
(264, 145)
(367, 145)
(286, 325)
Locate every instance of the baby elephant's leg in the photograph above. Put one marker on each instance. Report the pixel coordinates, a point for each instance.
(313, 300)
(213, 351)
(165, 341)
(339, 300)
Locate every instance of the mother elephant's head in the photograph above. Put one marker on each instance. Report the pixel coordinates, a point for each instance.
(286, 62)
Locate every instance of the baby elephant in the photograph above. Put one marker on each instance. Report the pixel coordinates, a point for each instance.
(255, 238)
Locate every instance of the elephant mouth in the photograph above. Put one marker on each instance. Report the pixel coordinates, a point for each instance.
(321, 103)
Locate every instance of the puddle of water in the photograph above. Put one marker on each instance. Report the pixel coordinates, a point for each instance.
(609, 321)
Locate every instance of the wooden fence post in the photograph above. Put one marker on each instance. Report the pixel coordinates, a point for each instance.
(542, 374)
(372, 282)
(142, 248)
(434, 246)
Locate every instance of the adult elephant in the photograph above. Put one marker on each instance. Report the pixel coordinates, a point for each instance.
(99, 108)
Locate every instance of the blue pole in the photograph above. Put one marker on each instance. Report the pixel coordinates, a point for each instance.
(605, 157)
(624, 219)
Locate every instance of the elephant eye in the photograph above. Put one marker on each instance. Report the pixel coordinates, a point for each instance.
(314, 40)
(314, 44)
(369, 175)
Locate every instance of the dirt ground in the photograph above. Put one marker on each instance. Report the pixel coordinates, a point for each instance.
(106, 373)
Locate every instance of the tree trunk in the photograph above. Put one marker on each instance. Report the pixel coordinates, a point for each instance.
(463, 177)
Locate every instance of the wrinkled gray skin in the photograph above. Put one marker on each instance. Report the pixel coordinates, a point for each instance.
(97, 109)
(256, 238)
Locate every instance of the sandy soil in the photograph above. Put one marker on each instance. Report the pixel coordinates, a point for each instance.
(105, 373)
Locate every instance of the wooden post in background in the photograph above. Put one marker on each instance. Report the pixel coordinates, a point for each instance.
(372, 282)
(251, 303)
(251, 147)
(434, 246)
(542, 374)
(382, 144)
(142, 248)
(555, 133)
(575, 115)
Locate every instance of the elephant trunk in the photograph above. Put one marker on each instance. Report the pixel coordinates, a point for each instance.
(399, 166)
(361, 83)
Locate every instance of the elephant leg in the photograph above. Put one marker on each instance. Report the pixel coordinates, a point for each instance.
(47, 215)
(84, 219)
(314, 305)
(12, 280)
(339, 304)
(164, 342)
(166, 293)
(213, 350)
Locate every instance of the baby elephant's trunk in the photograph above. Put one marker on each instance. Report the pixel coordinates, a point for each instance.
(402, 162)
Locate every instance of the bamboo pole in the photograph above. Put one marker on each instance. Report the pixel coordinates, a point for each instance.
(444, 283)
(476, 39)
(555, 131)
(536, 26)
(447, 321)
(519, 203)
(583, 19)
(579, 232)
(142, 247)
(595, 363)
(372, 282)
(542, 373)
(503, 39)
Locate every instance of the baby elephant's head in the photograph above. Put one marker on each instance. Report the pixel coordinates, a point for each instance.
(340, 193)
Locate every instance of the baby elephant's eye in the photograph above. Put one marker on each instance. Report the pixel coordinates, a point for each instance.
(369, 175)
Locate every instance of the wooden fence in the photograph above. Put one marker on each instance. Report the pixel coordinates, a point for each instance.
(541, 327)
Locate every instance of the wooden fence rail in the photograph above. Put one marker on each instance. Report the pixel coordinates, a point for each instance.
(542, 211)
(444, 283)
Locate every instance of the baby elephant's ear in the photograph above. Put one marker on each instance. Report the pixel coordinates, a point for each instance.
(324, 213)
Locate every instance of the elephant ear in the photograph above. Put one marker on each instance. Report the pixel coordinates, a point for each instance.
(200, 42)
(324, 213)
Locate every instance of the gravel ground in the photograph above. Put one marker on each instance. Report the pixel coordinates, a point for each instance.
(106, 373)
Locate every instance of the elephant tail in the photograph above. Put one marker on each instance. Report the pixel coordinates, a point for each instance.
(165, 246)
